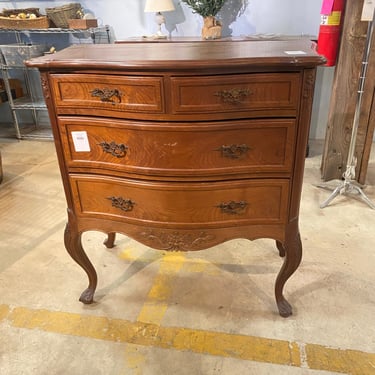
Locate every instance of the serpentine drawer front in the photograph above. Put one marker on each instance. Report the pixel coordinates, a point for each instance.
(251, 146)
(182, 146)
(176, 204)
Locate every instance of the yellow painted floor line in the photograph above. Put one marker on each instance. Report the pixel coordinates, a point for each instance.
(157, 300)
(243, 347)
(156, 303)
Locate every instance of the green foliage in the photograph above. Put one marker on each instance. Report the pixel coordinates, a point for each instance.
(205, 8)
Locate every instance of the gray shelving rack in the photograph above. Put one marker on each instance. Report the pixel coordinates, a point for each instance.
(23, 44)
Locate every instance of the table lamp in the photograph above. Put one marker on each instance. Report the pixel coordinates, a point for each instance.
(159, 6)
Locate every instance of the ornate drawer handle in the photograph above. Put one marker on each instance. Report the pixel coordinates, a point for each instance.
(233, 96)
(121, 203)
(118, 150)
(233, 208)
(233, 151)
(106, 95)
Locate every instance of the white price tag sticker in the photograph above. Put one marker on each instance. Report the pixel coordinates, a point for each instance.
(81, 141)
(368, 10)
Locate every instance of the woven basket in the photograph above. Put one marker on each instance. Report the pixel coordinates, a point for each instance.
(30, 23)
(60, 15)
(9, 12)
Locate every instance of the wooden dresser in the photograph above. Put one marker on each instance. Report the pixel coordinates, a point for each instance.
(182, 146)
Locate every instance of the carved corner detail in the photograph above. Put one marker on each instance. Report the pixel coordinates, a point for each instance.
(45, 87)
(309, 85)
(177, 241)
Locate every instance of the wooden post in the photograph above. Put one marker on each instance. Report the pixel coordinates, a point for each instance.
(344, 99)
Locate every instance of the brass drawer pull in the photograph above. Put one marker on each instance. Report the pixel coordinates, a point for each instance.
(233, 96)
(233, 151)
(121, 203)
(106, 95)
(233, 208)
(118, 150)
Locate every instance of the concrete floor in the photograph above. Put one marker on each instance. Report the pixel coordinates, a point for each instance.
(209, 312)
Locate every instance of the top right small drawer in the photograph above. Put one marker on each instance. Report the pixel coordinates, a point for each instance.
(255, 95)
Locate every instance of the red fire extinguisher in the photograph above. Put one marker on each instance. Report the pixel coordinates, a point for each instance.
(330, 29)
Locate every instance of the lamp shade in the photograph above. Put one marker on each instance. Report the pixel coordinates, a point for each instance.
(159, 5)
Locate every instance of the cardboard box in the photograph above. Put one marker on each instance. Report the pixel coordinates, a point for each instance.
(15, 87)
(3, 96)
(82, 24)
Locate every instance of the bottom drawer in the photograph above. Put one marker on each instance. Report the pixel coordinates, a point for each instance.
(210, 204)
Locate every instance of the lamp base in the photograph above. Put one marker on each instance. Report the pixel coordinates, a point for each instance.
(159, 35)
(159, 18)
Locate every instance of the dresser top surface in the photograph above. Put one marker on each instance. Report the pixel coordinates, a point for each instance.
(205, 54)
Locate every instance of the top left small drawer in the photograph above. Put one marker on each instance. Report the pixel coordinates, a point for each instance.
(99, 94)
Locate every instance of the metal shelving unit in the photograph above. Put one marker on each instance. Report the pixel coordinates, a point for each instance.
(100, 34)
(32, 101)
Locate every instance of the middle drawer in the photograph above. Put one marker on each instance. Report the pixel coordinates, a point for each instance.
(179, 149)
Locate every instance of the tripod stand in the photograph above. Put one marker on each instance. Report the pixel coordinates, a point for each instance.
(349, 184)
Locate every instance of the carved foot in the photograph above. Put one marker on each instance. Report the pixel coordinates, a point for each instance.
(293, 254)
(72, 239)
(285, 309)
(110, 241)
(87, 296)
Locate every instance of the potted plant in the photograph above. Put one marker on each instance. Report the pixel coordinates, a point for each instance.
(208, 9)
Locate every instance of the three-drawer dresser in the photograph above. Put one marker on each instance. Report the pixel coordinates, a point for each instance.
(182, 146)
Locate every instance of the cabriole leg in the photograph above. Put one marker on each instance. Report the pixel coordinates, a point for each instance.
(110, 241)
(281, 249)
(293, 256)
(73, 244)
